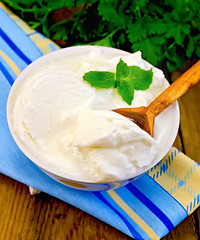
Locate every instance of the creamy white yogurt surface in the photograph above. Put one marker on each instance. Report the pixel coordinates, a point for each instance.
(68, 126)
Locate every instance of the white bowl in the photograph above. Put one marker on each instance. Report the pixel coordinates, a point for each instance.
(170, 127)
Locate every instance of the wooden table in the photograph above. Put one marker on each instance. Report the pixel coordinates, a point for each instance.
(26, 217)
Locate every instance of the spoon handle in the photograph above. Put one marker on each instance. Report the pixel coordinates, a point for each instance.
(187, 80)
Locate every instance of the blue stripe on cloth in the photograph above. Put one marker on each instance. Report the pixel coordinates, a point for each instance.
(149, 204)
(169, 206)
(32, 33)
(17, 36)
(52, 46)
(12, 55)
(142, 211)
(114, 203)
(14, 47)
(8, 68)
(4, 91)
(134, 233)
(6, 74)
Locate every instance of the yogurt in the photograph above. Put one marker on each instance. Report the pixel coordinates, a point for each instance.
(69, 126)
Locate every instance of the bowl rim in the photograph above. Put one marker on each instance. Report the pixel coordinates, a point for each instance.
(38, 163)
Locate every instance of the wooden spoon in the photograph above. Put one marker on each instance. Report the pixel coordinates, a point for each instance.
(144, 116)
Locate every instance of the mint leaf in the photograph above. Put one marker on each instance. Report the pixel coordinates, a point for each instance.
(100, 79)
(126, 79)
(141, 79)
(126, 90)
(122, 70)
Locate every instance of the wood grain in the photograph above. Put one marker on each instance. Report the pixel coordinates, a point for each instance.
(190, 125)
(27, 217)
(42, 217)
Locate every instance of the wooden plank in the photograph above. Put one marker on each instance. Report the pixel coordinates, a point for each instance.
(186, 230)
(190, 125)
(178, 143)
(189, 119)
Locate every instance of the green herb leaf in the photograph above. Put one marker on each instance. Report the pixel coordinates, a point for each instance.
(141, 79)
(100, 79)
(126, 90)
(122, 71)
(114, 11)
(124, 79)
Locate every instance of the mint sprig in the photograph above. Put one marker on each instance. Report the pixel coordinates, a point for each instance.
(126, 80)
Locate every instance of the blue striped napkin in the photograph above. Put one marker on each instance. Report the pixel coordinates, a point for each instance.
(148, 208)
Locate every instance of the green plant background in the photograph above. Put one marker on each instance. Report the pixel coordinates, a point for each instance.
(167, 32)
